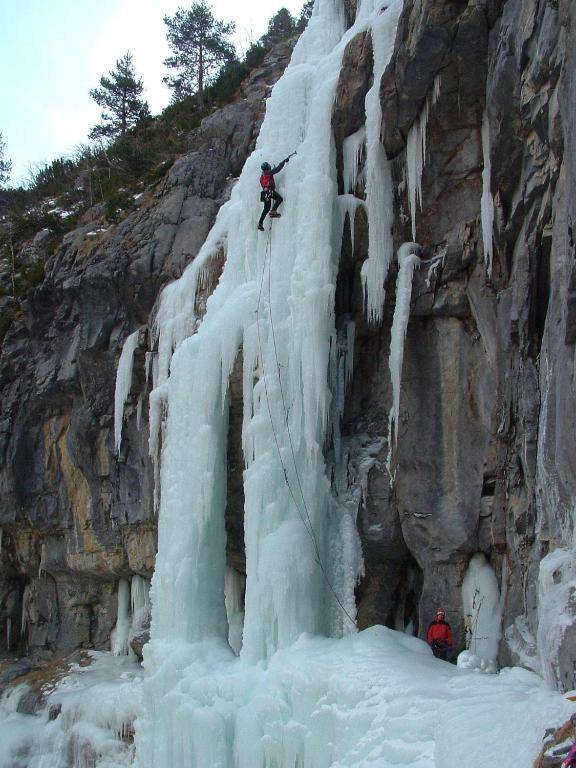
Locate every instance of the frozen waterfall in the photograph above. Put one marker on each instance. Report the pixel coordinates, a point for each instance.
(265, 669)
(483, 615)
(275, 302)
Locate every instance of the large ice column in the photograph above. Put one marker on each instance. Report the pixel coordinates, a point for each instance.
(487, 201)
(347, 564)
(379, 191)
(407, 260)
(187, 588)
(121, 632)
(482, 613)
(139, 603)
(275, 302)
(286, 488)
(123, 382)
(297, 295)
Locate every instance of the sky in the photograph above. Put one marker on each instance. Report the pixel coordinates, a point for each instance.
(54, 51)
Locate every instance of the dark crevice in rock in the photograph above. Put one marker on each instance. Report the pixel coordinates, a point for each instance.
(234, 515)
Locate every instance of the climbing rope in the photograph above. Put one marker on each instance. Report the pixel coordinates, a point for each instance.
(305, 518)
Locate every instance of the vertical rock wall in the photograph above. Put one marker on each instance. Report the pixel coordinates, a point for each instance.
(485, 457)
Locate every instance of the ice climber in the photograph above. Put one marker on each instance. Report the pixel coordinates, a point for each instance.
(268, 192)
(440, 636)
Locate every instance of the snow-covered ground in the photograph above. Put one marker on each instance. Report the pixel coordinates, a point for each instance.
(86, 721)
(372, 700)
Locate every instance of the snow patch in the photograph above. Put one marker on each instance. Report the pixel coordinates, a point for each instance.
(86, 720)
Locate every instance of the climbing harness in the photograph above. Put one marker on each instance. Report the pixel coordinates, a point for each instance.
(305, 518)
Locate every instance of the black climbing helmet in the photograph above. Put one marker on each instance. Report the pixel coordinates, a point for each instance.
(265, 166)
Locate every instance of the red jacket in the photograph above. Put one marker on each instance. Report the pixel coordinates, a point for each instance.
(439, 632)
(267, 180)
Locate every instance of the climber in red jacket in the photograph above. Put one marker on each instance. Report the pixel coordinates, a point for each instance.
(268, 192)
(440, 636)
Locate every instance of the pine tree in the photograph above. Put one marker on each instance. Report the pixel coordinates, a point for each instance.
(119, 95)
(281, 26)
(305, 14)
(200, 46)
(5, 165)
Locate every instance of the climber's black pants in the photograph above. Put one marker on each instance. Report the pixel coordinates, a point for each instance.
(268, 203)
(440, 650)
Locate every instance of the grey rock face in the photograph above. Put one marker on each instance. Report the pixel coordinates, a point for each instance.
(485, 458)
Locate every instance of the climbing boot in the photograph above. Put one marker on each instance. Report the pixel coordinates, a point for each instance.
(260, 227)
(274, 215)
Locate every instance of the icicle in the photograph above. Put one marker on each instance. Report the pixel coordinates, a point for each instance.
(348, 204)
(139, 603)
(120, 633)
(234, 586)
(341, 369)
(24, 619)
(407, 260)
(487, 201)
(379, 193)
(350, 336)
(139, 413)
(416, 152)
(123, 383)
(436, 89)
(8, 632)
(353, 149)
(156, 418)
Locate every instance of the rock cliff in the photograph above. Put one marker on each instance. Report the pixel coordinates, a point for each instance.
(75, 516)
(485, 460)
